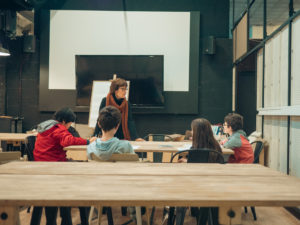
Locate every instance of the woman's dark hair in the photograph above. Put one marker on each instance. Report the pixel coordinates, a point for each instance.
(65, 115)
(109, 118)
(116, 84)
(203, 137)
(234, 120)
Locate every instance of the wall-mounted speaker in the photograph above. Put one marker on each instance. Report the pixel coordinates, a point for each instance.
(209, 45)
(29, 44)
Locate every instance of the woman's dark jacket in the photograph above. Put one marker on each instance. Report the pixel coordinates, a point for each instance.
(131, 125)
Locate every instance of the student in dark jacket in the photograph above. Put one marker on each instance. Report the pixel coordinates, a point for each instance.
(117, 98)
(53, 136)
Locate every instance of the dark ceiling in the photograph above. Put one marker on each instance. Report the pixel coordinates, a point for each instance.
(30, 4)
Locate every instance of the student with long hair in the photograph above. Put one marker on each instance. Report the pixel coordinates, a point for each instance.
(203, 137)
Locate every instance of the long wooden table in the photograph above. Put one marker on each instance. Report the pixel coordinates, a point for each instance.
(13, 138)
(78, 152)
(142, 184)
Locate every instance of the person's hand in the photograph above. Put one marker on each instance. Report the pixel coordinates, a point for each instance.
(223, 142)
(139, 139)
(92, 139)
(182, 160)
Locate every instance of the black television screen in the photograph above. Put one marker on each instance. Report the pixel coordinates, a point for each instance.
(145, 73)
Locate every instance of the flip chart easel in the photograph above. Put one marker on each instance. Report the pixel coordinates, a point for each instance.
(99, 91)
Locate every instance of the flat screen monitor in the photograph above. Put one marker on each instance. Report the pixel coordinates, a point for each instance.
(145, 73)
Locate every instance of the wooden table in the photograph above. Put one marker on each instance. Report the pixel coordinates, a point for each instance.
(78, 152)
(85, 184)
(13, 138)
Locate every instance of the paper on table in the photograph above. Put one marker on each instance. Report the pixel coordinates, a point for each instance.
(166, 146)
(135, 147)
(185, 147)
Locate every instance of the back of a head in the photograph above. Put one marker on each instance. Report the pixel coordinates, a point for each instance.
(65, 115)
(109, 118)
(203, 136)
(234, 120)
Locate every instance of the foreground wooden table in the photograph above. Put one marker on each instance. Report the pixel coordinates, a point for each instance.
(78, 152)
(85, 184)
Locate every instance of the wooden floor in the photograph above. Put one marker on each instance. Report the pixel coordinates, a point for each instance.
(266, 216)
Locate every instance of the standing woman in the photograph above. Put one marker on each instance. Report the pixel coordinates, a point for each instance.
(117, 98)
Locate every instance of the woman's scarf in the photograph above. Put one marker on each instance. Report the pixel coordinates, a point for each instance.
(124, 111)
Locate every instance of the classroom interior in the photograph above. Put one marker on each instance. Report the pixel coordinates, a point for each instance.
(213, 57)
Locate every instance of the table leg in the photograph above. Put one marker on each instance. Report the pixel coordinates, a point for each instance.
(9, 215)
(138, 214)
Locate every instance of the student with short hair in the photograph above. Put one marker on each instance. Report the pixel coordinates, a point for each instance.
(109, 121)
(53, 136)
(237, 140)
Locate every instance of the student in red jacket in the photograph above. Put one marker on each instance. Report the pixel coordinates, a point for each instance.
(237, 140)
(53, 136)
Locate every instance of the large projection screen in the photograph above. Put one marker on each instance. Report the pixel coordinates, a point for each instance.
(75, 32)
(67, 33)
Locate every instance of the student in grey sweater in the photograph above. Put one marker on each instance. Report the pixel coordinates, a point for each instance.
(109, 120)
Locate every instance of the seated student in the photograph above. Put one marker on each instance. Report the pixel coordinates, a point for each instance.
(109, 120)
(53, 136)
(237, 140)
(203, 137)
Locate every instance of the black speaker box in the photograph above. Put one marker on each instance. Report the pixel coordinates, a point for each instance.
(29, 44)
(209, 45)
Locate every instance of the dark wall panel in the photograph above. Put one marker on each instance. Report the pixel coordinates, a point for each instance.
(214, 75)
(2, 85)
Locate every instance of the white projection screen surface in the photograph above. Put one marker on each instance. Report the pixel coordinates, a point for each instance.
(74, 32)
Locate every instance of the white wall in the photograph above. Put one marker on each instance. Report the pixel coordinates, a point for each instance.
(119, 33)
(276, 70)
(295, 63)
(294, 146)
(275, 132)
(276, 107)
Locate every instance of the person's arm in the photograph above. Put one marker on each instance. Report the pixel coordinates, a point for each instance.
(102, 104)
(233, 142)
(131, 124)
(97, 130)
(67, 139)
(73, 131)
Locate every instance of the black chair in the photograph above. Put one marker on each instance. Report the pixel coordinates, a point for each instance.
(29, 146)
(258, 147)
(203, 215)
(157, 156)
